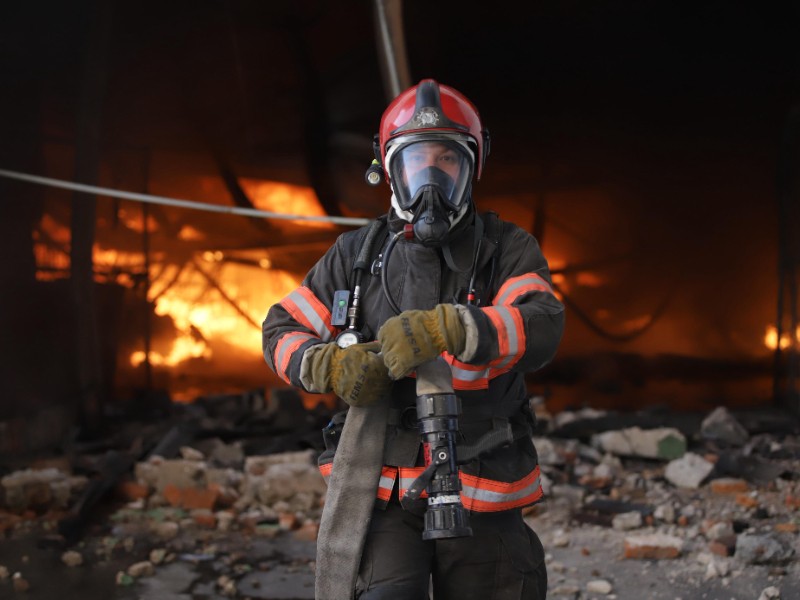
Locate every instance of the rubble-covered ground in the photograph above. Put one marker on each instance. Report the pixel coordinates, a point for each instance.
(637, 507)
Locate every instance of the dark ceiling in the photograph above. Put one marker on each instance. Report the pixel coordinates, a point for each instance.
(648, 129)
(274, 84)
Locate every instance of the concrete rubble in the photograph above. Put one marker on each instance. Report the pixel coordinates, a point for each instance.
(222, 523)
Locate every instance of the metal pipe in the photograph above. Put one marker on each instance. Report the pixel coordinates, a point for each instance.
(392, 47)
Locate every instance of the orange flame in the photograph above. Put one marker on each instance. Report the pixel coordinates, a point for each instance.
(226, 308)
(214, 318)
(285, 198)
(771, 338)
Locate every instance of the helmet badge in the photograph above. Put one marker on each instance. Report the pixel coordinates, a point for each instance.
(426, 117)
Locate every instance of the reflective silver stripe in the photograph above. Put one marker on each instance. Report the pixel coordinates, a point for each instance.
(385, 482)
(465, 375)
(523, 281)
(499, 497)
(285, 343)
(504, 312)
(405, 483)
(483, 495)
(317, 324)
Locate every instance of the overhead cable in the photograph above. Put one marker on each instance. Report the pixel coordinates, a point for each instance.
(165, 201)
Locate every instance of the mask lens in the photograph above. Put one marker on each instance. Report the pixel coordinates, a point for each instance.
(443, 165)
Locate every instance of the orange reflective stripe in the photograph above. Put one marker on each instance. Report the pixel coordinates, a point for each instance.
(486, 495)
(519, 286)
(309, 311)
(478, 494)
(386, 482)
(467, 377)
(507, 320)
(407, 477)
(284, 350)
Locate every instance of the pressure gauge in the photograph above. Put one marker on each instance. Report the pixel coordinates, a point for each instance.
(348, 338)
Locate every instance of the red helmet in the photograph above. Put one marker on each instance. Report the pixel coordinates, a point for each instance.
(430, 107)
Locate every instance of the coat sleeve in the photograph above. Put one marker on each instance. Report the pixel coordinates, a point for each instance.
(522, 328)
(303, 318)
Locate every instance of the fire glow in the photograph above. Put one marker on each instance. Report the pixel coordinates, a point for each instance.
(771, 338)
(203, 313)
(211, 302)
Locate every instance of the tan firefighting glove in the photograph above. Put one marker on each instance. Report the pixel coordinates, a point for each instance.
(417, 336)
(356, 374)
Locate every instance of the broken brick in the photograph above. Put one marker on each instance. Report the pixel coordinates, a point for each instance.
(788, 527)
(729, 485)
(723, 546)
(205, 518)
(191, 498)
(132, 490)
(653, 546)
(746, 500)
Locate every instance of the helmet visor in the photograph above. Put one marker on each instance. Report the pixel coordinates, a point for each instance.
(443, 165)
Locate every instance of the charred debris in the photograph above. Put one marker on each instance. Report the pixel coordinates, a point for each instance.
(211, 480)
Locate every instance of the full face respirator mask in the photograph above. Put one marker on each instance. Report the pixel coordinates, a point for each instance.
(431, 183)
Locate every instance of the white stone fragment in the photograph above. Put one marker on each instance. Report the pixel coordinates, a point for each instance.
(599, 586)
(689, 471)
(71, 558)
(627, 521)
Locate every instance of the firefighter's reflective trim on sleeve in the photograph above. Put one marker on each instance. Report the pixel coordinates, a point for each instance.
(284, 350)
(518, 286)
(507, 320)
(486, 495)
(472, 377)
(308, 310)
(467, 377)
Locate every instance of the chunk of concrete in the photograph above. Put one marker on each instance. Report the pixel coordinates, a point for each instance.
(664, 443)
(627, 521)
(721, 426)
(761, 549)
(689, 471)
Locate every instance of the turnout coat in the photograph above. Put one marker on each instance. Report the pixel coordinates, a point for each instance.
(518, 319)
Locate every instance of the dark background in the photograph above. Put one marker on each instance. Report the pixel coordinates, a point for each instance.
(646, 144)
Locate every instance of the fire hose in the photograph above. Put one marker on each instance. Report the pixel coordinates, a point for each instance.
(357, 468)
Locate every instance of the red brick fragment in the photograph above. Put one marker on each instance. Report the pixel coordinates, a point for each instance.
(746, 500)
(654, 546)
(727, 485)
(724, 546)
(132, 490)
(205, 519)
(191, 498)
(788, 527)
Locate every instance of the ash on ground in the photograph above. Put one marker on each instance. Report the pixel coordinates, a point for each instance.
(225, 502)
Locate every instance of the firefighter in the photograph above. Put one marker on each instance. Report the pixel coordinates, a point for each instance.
(470, 288)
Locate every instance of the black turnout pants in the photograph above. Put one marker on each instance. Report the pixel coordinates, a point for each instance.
(503, 560)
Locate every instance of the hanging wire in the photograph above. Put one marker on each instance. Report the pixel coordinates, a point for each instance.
(163, 200)
(604, 333)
